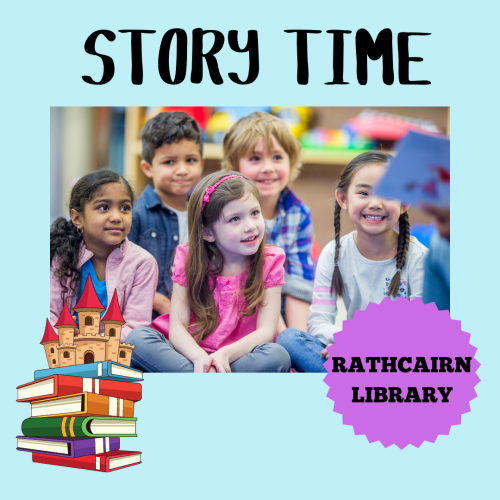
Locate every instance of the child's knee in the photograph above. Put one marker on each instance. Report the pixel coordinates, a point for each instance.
(288, 336)
(277, 359)
(142, 335)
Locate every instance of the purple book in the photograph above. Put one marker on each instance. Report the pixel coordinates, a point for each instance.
(71, 447)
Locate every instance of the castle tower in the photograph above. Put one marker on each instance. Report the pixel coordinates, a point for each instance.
(67, 354)
(89, 310)
(113, 321)
(125, 354)
(66, 326)
(50, 341)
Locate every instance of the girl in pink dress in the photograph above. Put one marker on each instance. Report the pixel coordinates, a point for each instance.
(227, 289)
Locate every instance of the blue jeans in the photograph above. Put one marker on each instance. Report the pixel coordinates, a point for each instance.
(437, 274)
(304, 349)
(154, 353)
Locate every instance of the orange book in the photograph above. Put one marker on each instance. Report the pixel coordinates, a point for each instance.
(81, 404)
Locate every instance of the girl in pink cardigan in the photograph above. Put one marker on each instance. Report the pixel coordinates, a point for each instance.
(95, 243)
(227, 289)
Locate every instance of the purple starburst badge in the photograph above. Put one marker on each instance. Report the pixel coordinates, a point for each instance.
(401, 372)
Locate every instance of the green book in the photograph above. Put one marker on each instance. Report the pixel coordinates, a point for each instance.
(71, 426)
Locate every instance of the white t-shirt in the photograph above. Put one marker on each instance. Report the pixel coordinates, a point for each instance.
(364, 281)
(182, 219)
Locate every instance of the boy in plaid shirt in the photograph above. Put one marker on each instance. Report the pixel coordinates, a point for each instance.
(262, 147)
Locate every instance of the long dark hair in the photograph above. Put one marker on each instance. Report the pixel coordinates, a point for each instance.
(65, 242)
(370, 157)
(205, 259)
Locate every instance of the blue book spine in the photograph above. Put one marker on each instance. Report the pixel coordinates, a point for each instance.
(92, 370)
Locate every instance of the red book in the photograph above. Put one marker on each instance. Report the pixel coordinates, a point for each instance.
(63, 385)
(104, 462)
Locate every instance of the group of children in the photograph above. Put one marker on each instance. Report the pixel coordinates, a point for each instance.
(222, 266)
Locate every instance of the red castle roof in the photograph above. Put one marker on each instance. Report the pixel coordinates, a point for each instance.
(89, 299)
(50, 334)
(65, 319)
(113, 314)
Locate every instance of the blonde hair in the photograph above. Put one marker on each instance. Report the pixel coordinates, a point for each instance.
(205, 260)
(242, 137)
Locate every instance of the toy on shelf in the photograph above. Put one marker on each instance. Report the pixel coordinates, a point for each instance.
(335, 139)
(224, 117)
(386, 126)
(296, 117)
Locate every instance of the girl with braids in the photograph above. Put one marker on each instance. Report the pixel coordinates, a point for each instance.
(366, 265)
(227, 289)
(94, 242)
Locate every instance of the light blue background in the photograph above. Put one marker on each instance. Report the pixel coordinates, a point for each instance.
(251, 436)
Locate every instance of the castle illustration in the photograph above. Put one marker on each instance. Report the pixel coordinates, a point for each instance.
(88, 346)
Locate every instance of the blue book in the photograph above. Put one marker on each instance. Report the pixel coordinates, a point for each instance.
(108, 370)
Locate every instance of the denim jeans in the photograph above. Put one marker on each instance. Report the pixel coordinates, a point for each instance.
(304, 349)
(154, 353)
(437, 274)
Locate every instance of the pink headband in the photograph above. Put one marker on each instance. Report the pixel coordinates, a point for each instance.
(211, 189)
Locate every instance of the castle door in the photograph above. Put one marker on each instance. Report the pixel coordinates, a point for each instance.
(89, 357)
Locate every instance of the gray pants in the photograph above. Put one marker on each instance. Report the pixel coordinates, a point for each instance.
(154, 353)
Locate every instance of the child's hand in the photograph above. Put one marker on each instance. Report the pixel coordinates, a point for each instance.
(204, 365)
(200, 363)
(324, 352)
(219, 360)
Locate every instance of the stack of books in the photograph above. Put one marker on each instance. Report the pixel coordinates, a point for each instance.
(78, 415)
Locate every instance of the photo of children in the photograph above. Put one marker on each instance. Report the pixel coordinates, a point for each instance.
(216, 260)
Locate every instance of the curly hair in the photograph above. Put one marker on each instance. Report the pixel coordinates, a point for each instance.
(65, 241)
(168, 128)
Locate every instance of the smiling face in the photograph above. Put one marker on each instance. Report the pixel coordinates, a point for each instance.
(270, 170)
(370, 214)
(106, 218)
(240, 229)
(175, 168)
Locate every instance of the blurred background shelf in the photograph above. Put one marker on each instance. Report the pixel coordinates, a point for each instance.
(213, 151)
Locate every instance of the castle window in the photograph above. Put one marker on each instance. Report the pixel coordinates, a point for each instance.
(123, 354)
(53, 361)
(112, 332)
(51, 350)
(89, 321)
(66, 354)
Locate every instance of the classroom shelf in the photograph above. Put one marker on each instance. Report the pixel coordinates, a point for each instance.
(213, 151)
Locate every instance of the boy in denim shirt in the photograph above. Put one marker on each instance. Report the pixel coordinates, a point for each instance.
(172, 158)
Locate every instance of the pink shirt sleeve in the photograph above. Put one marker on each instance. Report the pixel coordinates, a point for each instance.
(273, 273)
(139, 303)
(179, 270)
